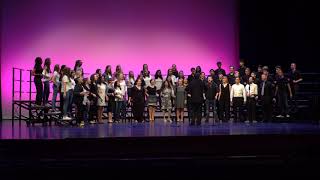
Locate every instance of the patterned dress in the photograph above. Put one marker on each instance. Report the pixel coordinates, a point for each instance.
(166, 96)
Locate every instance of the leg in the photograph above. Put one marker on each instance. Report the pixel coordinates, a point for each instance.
(207, 112)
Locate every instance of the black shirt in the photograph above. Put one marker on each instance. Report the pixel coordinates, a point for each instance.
(196, 88)
(282, 84)
(294, 75)
(191, 78)
(152, 90)
(242, 71)
(212, 90)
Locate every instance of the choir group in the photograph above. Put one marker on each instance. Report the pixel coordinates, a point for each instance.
(228, 97)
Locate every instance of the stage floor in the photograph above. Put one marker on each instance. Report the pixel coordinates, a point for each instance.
(157, 129)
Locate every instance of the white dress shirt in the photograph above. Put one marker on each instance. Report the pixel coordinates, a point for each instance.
(252, 90)
(238, 90)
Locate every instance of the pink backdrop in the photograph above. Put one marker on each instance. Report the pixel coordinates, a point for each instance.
(127, 32)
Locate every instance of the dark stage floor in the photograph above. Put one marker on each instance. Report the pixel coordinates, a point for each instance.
(157, 129)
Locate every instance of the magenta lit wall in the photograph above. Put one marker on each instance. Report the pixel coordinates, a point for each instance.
(127, 32)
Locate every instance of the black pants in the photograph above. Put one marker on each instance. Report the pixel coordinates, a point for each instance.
(189, 107)
(251, 109)
(39, 90)
(46, 92)
(238, 108)
(80, 110)
(196, 113)
(266, 102)
(138, 110)
(283, 103)
(224, 110)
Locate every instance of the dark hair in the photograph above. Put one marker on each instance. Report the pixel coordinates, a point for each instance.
(116, 84)
(92, 78)
(47, 64)
(78, 64)
(136, 81)
(129, 75)
(107, 71)
(163, 85)
(193, 69)
(56, 68)
(219, 62)
(97, 71)
(66, 72)
(198, 69)
(158, 74)
(37, 62)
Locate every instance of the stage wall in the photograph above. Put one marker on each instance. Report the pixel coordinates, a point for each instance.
(127, 32)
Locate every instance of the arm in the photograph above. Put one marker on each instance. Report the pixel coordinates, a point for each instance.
(244, 95)
(289, 88)
(231, 93)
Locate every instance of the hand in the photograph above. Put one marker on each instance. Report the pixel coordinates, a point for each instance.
(291, 96)
(274, 100)
(189, 95)
(256, 97)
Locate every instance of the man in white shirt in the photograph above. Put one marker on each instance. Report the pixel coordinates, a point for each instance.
(252, 96)
(238, 98)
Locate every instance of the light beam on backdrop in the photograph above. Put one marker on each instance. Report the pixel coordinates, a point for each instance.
(126, 32)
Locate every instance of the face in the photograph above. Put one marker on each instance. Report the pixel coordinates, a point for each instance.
(152, 82)
(181, 74)
(80, 80)
(210, 79)
(193, 71)
(263, 77)
(237, 74)
(96, 77)
(170, 72)
(202, 75)
(224, 79)
(131, 73)
(259, 69)
(166, 84)
(247, 71)
(253, 75)
(180, 82)
(139, 82)
(88, 81)
(220, 76)
(241, 63)
(237, 80)
(293, 66)
(174, 67)
(219, 65)
(121, 77)
(250, 80)
(231, 69)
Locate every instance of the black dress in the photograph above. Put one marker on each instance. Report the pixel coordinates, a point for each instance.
(138, 101)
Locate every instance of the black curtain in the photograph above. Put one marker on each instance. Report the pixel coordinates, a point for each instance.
(278, 32)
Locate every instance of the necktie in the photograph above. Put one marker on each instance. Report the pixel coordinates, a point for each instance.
(262, 91)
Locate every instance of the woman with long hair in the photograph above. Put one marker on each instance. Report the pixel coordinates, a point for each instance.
(111, 108)
(46, 74)
(166, 102)
(102, 98)
(137, 100)
(78, 67)
(56, 85)
(37, 73)
(180, 101)
(93, 93)
(130, 83)
(107, 73)
(119, 99)
(151, 93)
(66, 90)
